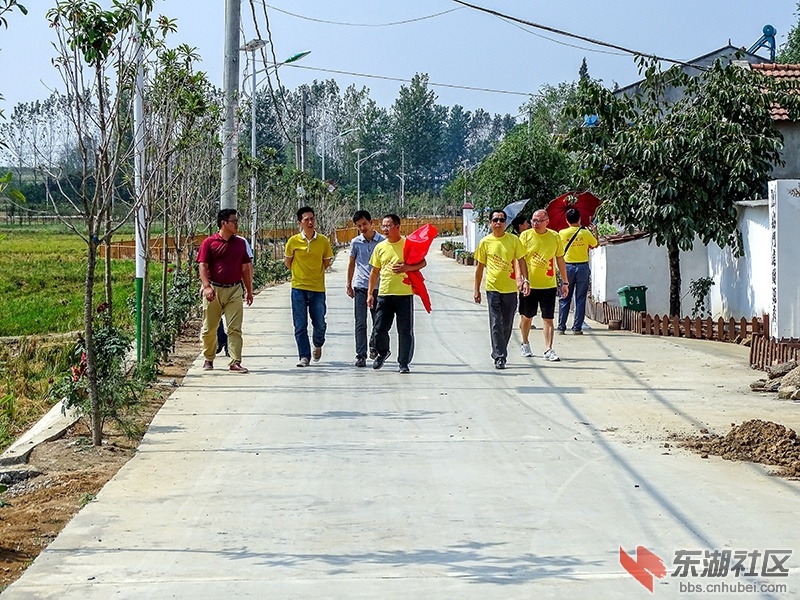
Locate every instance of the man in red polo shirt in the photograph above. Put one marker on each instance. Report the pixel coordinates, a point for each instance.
(223, 260)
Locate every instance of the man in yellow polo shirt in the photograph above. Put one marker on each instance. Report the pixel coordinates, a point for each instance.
(502, 255)
(544, 251)
(577, 240)
(307, 255)
(395, 297)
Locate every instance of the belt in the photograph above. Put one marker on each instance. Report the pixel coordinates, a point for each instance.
(586, 262)
(226, 285)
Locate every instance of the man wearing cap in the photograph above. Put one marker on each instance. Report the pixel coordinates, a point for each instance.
(224, 269)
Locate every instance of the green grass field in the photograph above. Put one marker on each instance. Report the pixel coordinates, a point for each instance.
(42, 274)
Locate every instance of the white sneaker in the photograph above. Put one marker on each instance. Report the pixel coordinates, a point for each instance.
(525, 349)
(550, 355)
(303, 362)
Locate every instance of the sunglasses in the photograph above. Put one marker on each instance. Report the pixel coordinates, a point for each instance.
(498, 220)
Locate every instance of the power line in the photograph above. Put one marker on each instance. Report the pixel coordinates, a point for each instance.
(402, 80)
(405, 22)
(555, 41)
(575, 35)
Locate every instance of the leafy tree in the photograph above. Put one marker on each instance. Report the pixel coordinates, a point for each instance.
(7, 5)
(179, 105)
(583, 71)
(675, 170)
(526, 164)
(96, 61)
(546, 108)
(789, 52)
(417, 129)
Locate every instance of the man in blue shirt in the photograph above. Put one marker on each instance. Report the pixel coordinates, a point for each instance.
(358, 271)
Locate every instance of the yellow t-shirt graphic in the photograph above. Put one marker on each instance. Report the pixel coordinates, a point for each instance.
(542, 250)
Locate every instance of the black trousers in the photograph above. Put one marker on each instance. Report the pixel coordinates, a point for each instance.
(389, 307)
(502, 308)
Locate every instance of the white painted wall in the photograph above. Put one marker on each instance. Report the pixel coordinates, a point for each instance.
(473, 231)
(468, 227)
(743, 285)
(639, 263)
(784, 216)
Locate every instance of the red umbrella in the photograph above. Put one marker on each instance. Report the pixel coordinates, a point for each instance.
(585, 202)
(414, 250)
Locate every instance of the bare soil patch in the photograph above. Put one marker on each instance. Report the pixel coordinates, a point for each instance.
(34, 511)
(753, 441)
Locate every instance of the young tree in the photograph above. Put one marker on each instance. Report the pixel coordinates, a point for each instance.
(96, 61)
(675, 170)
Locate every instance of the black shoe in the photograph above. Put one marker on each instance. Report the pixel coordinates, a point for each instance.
(499, 363)
(379, 360)
(404, 369)
(361, 361)
(373, 354)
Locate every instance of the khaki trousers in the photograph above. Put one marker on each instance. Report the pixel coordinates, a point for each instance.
(228, 302)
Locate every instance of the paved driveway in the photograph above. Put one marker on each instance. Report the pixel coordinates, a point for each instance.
(457, 481)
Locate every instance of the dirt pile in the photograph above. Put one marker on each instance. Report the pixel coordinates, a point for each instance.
(755, 441)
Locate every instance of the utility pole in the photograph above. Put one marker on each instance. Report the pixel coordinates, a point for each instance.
(402, 177)
(251, 47)
(304, 132)
(358, 152)
(464, 163)
(230, 84)
(142, 245)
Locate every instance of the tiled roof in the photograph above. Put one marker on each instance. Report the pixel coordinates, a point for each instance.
(784, 72)
(621, 238)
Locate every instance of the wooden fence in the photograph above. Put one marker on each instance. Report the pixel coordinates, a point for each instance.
(719, 330)
(764, 350)
(344, 235)
(126, 249)
(602, 312)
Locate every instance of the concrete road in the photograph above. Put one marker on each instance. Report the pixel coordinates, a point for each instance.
(457, 481)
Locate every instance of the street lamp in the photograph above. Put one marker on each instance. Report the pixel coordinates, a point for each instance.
(330, 139)
(251, 47)
(402, 188)
(359, 162)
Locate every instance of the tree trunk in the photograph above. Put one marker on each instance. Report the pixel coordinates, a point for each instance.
(145, 324)
(674, 254)
(88, 334)
(164, 274)
(108, 279)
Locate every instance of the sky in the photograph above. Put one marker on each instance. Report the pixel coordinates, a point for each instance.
(453, 44)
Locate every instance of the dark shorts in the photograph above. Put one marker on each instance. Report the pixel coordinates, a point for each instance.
(545, 298)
